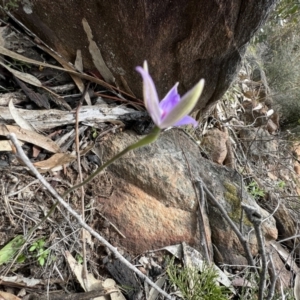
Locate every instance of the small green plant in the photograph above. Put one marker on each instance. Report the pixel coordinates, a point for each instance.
(21, 258)
(79, 259)
(255, 190)
(9, 5)
(281, 184)
(94, 132)
(194, 285)
(40, 252)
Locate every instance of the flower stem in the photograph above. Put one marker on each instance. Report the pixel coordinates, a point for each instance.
(150, 138)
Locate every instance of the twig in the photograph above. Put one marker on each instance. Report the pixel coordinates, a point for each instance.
(23, 188)
(289, 238)
(84, 269)
(242, 211)
(203, 237)
(255, 218)
(273, 278)
(231, 223)
(28, 163)
(112, 225)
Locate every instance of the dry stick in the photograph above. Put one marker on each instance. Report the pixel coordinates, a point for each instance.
(84, 269)
(242, 211)
(255, 218)
(60, 200)
(230, 222)
(289, 238)
(273, 278)
(203, 237)
(201, 200)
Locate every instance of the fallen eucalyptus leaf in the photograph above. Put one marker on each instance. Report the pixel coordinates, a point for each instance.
(17, 56)
(18, 118)
(30, 137)
(58, 159)
(96, 55)
(23, 76)
(8, 296)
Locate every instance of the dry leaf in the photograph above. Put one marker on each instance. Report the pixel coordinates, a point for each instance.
(258, 107)
(23, 76)
(96, 54)
(55, 160)
(20, 281)
(35, 151)
(30, 137)
(2, 30)
(6, 145)
(93, 283)
(69, 68)
(18, 118)
(39, 99)
(109, 284)
(175, 250)
(8, 296)
(153, 294)
(78, 61)
(17, 56)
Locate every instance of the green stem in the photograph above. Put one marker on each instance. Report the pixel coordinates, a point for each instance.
(150, 138)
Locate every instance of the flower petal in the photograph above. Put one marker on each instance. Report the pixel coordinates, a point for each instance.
(187, 120)
(150, 95)
(184, 106)
(170, 100)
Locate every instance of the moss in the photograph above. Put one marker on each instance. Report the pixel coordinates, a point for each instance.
(231, 196)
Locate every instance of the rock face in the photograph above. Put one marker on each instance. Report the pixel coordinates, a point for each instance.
(183, 40)
(154, 203)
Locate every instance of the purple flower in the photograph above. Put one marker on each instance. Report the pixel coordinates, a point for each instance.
(172, 110)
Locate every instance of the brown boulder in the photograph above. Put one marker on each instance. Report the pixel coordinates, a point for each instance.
(154, 203)
(214, 145)
(182, 40)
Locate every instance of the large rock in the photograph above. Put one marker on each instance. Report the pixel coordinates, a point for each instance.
(183, 40)
(154, 202)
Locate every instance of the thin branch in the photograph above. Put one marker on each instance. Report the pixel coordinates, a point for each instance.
(255, 218)
(203, 236)
(289, 238)
(273, 278)
(242, 211)
(28, 163)
(84, 269)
